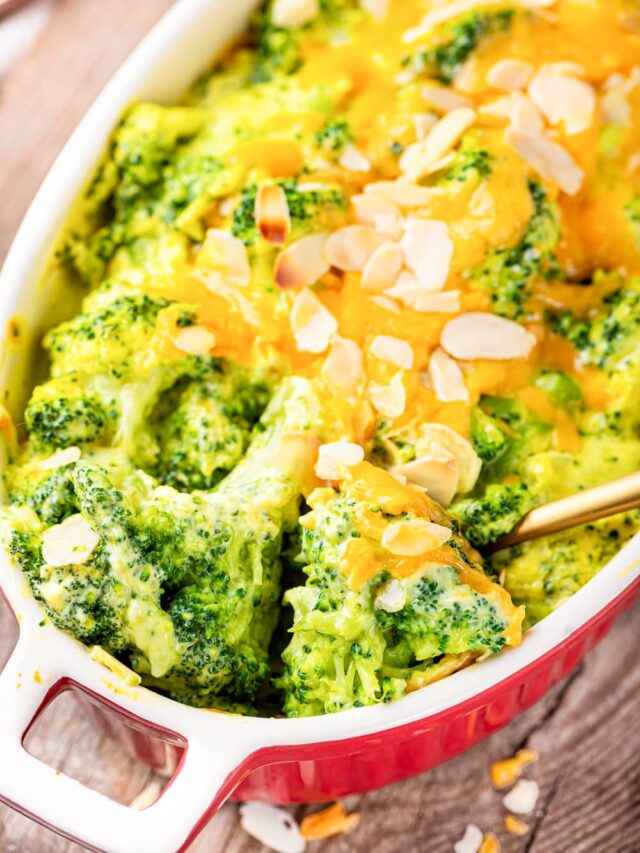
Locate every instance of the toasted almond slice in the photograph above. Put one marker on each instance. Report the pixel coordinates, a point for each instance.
(312, 324)
(343, 368)
(294, 13)
(62, 457)
(351, 247)
(470, 842)
(302, 263)
(515, 826)
(415, 297)
(563, 98)
(272, 826)
(509, 74)
(333, 458)
(370, 209)
(437, 438)
(403, 193)
(518, 109)
(522, 798)
(391, 597)
(424, 123)
(195, 340)
(272, 214)
(428, 250)
(616, 108)
(353, 160)
(386, 304)
(230, 255)
(388, 400)
(479, 335)
(437, 472)
(446, 378)
(382, 268)
(392, 350)
(443, 99)
(421, 158)
(549, 159)
(414, 538)
(69, 543)
(377, 8)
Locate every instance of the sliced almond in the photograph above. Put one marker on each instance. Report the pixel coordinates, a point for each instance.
(302, 263)
(447, 380)
(549, 159)
(443, 99)
(343, 368)
(563, 98)
(333, 458)
(437, 472)
(423, 157)
(391, 597)
(377, 8)
(403, 193)
(229, 255)
(350, 248)
(518, 109)
(437, 438)
(273, 827)
(383, 268)
(388, 400)
(353, 160)
(370, 209)
(479, 335)
(414, 538)
(386, 304)
(447, 302)
(509, 74)
(294, 13)
(424, 123)
(312, 324)
(195, 340)
(272, 214)
(428, 250)
(471, 841)
(62, 457)
(522, 798)
(393, 351)
(70, 543)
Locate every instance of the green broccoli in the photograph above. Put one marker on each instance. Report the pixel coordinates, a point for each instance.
(471, 163)
(49, 493)
(61, 413)
(562, 388)
(485, 519)
(488, 437)
(508, 273)
(457, 42)
(334, 135)
(368, 625)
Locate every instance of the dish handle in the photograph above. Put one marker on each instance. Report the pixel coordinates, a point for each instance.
(211, 768)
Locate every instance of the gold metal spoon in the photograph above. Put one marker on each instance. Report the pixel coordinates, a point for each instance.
(589, 505)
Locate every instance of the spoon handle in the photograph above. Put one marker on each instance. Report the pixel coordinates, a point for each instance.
(589, 505)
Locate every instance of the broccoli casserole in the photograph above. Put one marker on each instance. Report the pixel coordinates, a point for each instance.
(367, 296)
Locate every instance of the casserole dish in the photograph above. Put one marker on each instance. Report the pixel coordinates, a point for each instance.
(216, 755)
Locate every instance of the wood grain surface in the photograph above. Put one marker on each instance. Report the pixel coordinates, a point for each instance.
(587, 730)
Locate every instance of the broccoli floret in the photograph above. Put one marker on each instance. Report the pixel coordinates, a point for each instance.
(334, 135)
(470, 164)
(562, 388)
(278, 49)
(49, 493)
(457, 42)
(508, 273)
(351, 648)
(315, 209)
(488, 438)
(495, 514)
(62, 414)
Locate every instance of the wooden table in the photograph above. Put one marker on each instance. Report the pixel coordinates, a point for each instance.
(587, 730)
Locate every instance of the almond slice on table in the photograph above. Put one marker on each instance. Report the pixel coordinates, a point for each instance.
(230, 253)
(522, 798)
(334, 457)
(70, 543)
(388, 400)
(563, 98)
(403, 193)
(302, 263)
(428, 250)
(422, 158)
(447, 380)
(343, 368)
(272, 214)
(443, 99)
(437, 472)
(509, 74)
(471, 841)
(438, 438)
(294, 13)
(194, 340)
(393, 351)
(272, 826)
(549, 159)
(383, 268)
(391, 597)
(477, 335)
(60, 458)
(312, 324)
(353, 160)
(414, 538)
(350, 248)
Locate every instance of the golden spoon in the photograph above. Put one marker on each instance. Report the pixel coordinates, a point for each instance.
(589, 505)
